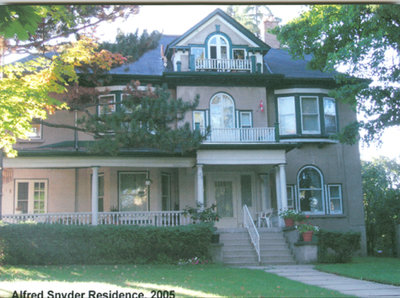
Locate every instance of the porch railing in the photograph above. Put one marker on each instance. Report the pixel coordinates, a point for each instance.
(251, 228)
(240, 135)
(152, 218)
(223, 64)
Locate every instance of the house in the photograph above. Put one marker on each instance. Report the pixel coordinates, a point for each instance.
(270, 143)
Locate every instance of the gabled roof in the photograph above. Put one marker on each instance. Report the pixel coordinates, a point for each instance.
(263, 46)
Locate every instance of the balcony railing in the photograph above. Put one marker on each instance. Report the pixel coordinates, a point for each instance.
(240, 135)
(146, 218)
(223, 64)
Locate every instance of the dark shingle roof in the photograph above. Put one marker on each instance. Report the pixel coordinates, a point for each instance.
(149, 64)
(279, 61)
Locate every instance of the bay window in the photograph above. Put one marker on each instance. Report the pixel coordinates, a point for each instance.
(310, 120)
(330, 115)
(287, 115)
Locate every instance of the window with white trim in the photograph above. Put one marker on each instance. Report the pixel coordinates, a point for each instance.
(330, 115)
(310, 119)
(335, 202)
(310, 190)
(107, 104)
(239, 54)
(30, 196)
(199, 120)
(287, 115)
(218, 47)
(36, 131)
(290, 197)
(222, 111)
(246, 120)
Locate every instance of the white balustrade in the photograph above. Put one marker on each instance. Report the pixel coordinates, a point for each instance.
(240, 135)
(152, 218)
(252, 230)
(223, 64)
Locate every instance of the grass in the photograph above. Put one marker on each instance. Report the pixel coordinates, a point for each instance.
(186, 281)
(379, 269)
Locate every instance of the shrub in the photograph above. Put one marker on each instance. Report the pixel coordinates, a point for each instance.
(336, 247)
(41, 244)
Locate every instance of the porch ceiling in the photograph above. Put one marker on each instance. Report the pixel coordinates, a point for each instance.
(85, 162)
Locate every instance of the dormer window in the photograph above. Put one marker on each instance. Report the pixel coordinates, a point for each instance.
(218, 47)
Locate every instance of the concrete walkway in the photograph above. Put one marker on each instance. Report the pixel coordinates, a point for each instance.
(308, 275)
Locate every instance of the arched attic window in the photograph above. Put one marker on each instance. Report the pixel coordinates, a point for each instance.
(218, 47)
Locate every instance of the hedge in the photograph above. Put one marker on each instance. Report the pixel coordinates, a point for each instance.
(41, 244)
(336, 247)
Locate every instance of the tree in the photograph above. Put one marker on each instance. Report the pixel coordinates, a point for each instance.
(381, 186)
(361, 41)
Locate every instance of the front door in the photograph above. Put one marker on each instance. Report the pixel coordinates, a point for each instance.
(223, 193)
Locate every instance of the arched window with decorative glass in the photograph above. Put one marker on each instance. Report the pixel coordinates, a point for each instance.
(311, 190)
(218, 47)
(222, 111)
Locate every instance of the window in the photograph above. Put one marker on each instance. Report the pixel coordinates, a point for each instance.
(31, 196)
(199, 120)
(334, 192)
(106, 104)
(222, 111)
(245, 119)
(330, 115)
(287, 115)
(218, 47)
(239, 54)
(133, 191)
(290, 197)
(310, 185)
(198, 53)
(245, 186)
(310, 121)
(36, 131)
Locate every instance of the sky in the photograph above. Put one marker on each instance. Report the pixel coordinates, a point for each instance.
(177, 19)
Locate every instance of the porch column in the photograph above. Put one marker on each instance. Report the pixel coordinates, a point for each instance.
(200, 186)
(278, 194)
(95, 194)
(283, 192)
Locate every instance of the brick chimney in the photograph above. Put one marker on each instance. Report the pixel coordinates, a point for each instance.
(270, 22)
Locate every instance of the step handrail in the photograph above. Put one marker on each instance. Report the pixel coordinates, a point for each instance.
(252, 230)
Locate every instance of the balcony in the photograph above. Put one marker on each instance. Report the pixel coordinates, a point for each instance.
(223, 65)
(240, 135)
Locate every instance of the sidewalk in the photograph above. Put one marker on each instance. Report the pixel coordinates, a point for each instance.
(308, 275)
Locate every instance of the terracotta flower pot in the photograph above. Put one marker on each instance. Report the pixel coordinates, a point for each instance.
(307, 236)
(289, 222)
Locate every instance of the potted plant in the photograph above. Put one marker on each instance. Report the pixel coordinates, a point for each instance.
(307, 230)
(291, 216)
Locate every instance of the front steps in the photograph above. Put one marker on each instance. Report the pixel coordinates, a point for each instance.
(237, 249)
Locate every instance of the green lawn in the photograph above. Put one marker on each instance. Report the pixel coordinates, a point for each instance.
(188, 280)
(383, 270)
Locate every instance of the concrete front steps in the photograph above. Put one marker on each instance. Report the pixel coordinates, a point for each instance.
(237, 249)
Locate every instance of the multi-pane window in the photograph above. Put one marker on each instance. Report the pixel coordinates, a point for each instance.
(330, 115)
(310, 120)
(222, 111)
(218, 47)
(239, 54)
(310, 188)
(107, 104)
(31, 196)
(133, 191)
(287, 115)
(199, 120)
(334, 192)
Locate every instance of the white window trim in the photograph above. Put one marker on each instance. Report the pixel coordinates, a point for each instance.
(293, 198)
(299, 189)
(303, 131)
(148, 187)
(38, 137)
(279, 113)
(218, 45)
(240, 118)
(328, 194)
(31, 189)
(204, 119)
(99, 110)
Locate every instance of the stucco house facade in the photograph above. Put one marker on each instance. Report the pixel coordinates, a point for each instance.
(270, 146)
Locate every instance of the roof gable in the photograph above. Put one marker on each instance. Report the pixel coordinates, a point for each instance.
(218, 20)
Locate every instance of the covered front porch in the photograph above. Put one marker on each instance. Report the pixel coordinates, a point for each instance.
(144, 190)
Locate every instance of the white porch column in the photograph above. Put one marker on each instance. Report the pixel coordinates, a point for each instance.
(283, 192)
(278, 194)
(200, 185)
(95, 194)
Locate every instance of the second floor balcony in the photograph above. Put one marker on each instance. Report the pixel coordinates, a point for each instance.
(223, 65)
(240, 135)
